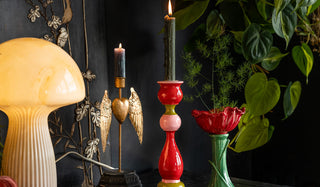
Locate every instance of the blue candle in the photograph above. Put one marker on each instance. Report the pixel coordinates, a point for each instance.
(119, 62)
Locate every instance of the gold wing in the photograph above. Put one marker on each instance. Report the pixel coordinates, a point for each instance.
(135, 113)
(105, 119)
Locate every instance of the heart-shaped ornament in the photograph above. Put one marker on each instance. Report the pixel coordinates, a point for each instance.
(120, 109)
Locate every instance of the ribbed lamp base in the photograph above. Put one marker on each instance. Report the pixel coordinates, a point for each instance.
(28, 155)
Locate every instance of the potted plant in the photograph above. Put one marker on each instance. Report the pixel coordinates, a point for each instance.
(245, 42)
(221, 79)
(258, 34)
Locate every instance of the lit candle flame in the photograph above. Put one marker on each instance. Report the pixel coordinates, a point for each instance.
(120, 45)
(170, 8)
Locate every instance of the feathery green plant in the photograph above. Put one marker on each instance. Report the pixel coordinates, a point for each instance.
(213, 73)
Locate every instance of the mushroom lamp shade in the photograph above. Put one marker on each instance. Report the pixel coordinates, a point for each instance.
(36, 77)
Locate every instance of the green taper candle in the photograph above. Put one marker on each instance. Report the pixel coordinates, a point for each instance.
(169, 45)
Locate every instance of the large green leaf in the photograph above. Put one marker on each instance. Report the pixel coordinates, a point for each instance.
(303, 57)
(190, 14)
(304, 3)
(264, 9)
(237, 42)
(285, 22)
(253, 14)
(233, 15)
(291, 98)
(302, 12)
(256, 43)
(214, 24)
(272, 60)
(313, 7)
(254, 134)
(279, 5)
(261, 95)
(245, 118)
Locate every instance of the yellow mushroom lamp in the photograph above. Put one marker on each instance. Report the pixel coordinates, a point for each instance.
(36, 77)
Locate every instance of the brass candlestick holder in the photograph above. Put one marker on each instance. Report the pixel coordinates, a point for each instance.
(120, 107)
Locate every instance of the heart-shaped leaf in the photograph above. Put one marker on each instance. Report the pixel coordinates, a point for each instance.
(256, 43)
(313, 7)
(233, 15)
(253, 134)
(279, 5)
(304, 3)
(190, 14)
(303, 57)
(264, 9)
(214, 24)
(291, 98)
(285, 22)
(261, 95)
(272, 60)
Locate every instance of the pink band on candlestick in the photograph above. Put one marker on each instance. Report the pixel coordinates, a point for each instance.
(170, 122)
(170, 181)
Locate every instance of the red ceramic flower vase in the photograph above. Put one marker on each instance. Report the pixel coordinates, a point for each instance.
(218, 121)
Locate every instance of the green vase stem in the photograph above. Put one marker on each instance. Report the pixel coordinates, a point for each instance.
(224, 150)
(220, 157)
(219, 176)
(218, 172)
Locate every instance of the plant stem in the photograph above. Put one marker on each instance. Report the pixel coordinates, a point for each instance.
(87, 67)
(212, 82)
(202, 99)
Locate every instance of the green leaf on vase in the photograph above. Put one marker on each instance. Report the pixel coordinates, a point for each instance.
(291, 98)
(272, 60)
(253, 134)
(190, 14)
(261, 95)
(256, 43)
(285, 22)
(303, 57)
(245, 118)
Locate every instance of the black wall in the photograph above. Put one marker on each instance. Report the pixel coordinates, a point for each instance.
(290, 157)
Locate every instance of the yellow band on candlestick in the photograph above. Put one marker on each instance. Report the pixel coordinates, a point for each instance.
(170, 110)
(162, 184)
(120, 82)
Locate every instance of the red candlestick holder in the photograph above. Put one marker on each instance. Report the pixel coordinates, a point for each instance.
(170, 162)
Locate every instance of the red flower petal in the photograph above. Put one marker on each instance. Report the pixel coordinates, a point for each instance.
(218, 122)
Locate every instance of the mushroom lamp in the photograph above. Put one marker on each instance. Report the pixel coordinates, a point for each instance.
(36, 77)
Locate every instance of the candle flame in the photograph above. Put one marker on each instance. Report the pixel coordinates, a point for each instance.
(120, 45)
(170, 8)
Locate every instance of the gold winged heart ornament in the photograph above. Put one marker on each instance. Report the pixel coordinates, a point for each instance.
(120, 107)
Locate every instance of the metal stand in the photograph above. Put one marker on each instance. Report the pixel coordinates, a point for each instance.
(120, 179)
